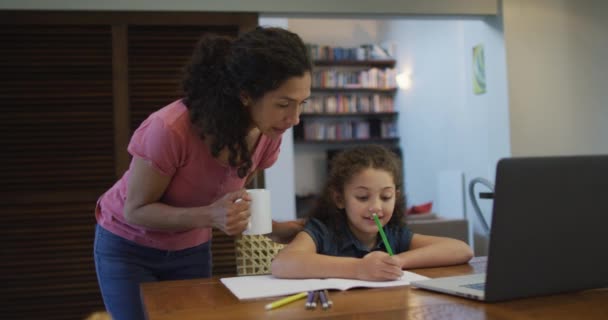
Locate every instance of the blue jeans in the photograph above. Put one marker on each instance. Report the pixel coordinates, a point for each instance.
(121, 265)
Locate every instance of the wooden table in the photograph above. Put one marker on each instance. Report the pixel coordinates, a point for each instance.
(209, 299)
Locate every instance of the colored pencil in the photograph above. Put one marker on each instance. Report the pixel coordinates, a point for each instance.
(286, 300)
(382, 234)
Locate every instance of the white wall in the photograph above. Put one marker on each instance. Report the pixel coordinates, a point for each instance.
(445, 127)
(279, 179)
(489, 128)
(558, 76)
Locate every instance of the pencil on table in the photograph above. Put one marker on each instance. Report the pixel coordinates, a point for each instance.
(310, 300)
(313, 305)
(329, 302)
(324, 303)
(286, 300)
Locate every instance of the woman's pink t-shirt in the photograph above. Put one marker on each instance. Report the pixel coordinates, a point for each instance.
(169, 143)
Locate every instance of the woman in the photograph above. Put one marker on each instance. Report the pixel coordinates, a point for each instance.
(191, 160)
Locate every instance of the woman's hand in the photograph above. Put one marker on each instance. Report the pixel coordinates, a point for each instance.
(284, 232)
(379, 266)
(229, 214)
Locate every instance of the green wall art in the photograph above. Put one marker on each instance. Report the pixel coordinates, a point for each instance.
(479, 70)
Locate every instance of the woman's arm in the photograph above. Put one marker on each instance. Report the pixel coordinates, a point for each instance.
(285, 231)
(300, 260)
(429, 251)
(142, 207)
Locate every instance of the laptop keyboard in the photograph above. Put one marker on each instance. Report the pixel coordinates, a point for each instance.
(477, 286)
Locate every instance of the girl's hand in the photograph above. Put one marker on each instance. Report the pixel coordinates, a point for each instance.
(379, 266)
(229, 214)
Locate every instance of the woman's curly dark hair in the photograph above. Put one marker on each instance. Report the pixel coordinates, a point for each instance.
(221, 69)
(343, 168)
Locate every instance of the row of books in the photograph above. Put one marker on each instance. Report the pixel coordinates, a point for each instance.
(388, 130)
(348, 130)
(361, 53)
(350, 103)
(371, 78)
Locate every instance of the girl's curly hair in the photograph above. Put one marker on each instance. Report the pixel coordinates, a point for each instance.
(221, 69)
(343, 168)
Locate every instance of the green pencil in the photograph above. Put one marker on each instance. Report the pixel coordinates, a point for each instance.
(379, 225)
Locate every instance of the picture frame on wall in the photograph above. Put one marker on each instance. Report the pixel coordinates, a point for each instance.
(479, 70)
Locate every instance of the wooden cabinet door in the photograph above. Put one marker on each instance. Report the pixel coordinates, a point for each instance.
(73, 86)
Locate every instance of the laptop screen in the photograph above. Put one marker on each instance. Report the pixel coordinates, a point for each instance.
(549, 226)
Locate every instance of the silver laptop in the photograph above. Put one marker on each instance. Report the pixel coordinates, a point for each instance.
(549, 231)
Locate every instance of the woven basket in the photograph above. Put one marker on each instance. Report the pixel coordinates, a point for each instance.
(254, 254)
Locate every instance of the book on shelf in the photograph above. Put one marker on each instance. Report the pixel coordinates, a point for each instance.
(380, 52)
(373, 78)
(383, 51)
(338, 130)
(266, 286)
(349, 103)
(324, 129)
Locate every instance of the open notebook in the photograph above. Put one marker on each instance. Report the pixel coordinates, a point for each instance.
(265, 286)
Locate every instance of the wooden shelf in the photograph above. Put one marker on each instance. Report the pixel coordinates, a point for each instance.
(349, 114)
(356, 63)
(348, 141)
(343, 89)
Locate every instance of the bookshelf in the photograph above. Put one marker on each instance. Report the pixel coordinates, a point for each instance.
(352, 102)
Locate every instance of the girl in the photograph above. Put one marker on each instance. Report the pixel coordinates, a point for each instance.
(341, 239)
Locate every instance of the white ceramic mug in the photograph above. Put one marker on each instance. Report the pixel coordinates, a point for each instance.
(260, 221)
